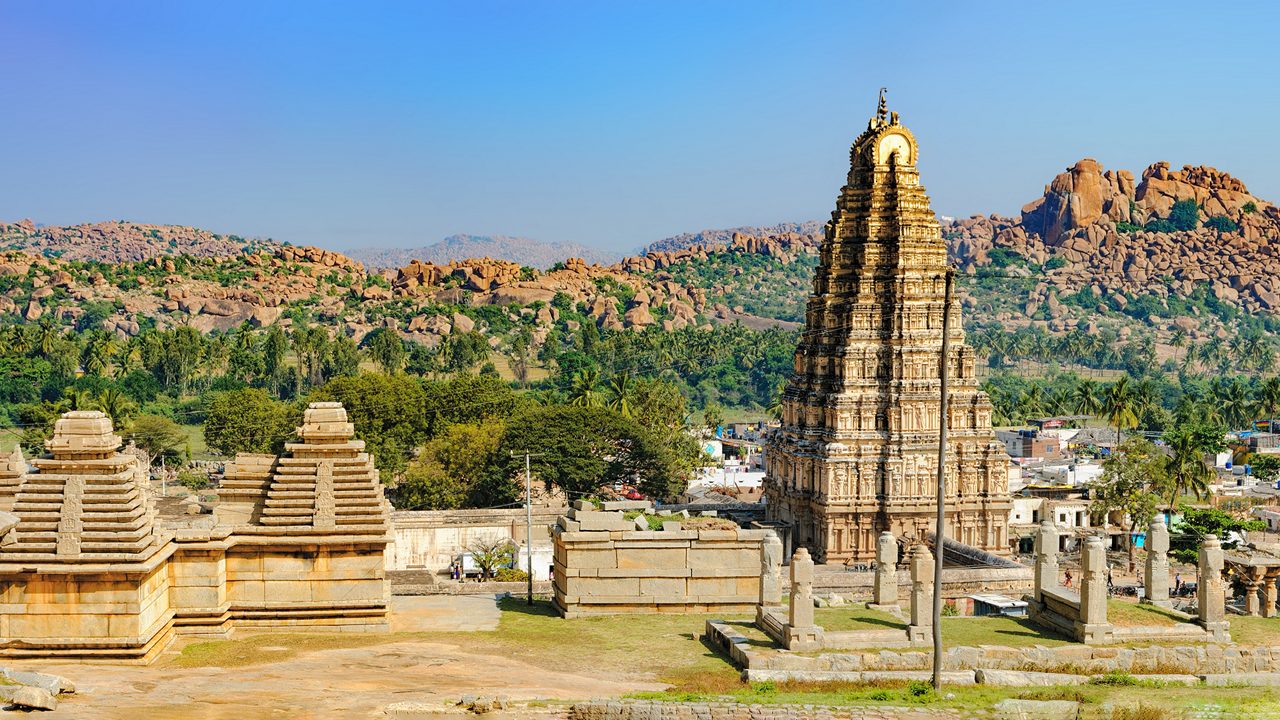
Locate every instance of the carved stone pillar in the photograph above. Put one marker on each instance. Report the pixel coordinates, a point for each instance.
(1270, 592)
(1046, 558)
(1157, 566)
(1093, 591)
(886, 586)
(1210, 591)
(802, 633)
(771, 570)
(921, 626)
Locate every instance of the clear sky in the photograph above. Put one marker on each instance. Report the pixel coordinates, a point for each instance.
(607, 123)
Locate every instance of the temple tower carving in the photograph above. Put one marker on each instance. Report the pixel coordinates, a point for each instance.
(856, 454)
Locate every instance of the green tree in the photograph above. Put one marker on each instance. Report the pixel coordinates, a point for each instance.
(388, 412)
(452, 471)
(713, 415)
(585, 388)
(1185, 468)
(117, 405)
(1131, 479)
(583, 449)
(619, 391)
(386, 349)
(157, 436)
(1265, 467)
(1120, 407)
(1199, 522)
(247, 420)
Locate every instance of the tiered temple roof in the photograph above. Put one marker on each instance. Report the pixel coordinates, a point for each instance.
(86, 500)
(857, 450)
(12, 468)
(326, 481)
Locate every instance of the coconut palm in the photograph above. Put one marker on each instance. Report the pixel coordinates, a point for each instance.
(620, 390)
(584, 388)
(1120, 407)
(1187, 470)
(116, 405)
(1084, 398)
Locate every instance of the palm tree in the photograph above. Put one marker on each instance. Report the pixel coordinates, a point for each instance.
(620, 389)
(775, 403)
(1186, 467)
(1269, 398)
(584, 388)
(116, 405)
(1119, 407)
(1084, 398)
(1179, 340)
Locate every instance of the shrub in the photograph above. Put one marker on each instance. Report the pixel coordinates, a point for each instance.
(949, 610)
(1115, 679)
(1222, 224)
(1160, 225)
(1127, 227)
(919, 690)
(1055, 262)
(193, 479)
(510, 575)
(1250, 207)
(1185, 215)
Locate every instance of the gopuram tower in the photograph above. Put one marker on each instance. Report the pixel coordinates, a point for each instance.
(857, 451)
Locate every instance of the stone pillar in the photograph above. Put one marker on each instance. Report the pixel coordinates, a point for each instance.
(802, 633)
(1210, 590)
(1270, 593)
(771, 570)
(1046, 558)
(1252, 584)
(885, 594)
(1157, 577)
(921, 628)
(1093, 592)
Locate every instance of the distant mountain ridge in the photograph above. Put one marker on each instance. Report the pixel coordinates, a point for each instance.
(118, 241)
(522, 250)
(725, 236)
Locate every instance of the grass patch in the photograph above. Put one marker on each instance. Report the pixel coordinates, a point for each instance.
(1250, 630)
(1131, 614)
(855, 617)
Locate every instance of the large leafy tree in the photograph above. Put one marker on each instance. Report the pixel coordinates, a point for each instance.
(388, 411)
(581, 449)
(452, 470)
(247, 420)
(157, 436)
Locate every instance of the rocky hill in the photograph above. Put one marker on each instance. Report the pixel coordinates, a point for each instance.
(524, 251)
(121, 241)
(1099, 253)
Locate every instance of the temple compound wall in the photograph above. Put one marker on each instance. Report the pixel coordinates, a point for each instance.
(856, 453)
(605, 565)
(87, 571)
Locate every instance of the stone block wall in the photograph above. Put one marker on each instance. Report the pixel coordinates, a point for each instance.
(647, 571)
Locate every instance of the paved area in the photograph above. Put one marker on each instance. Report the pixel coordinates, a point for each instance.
(444, 613)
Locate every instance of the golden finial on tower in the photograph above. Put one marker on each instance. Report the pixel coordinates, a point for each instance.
(882, 110)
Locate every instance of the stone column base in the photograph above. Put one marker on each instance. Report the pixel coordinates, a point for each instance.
(1095, 633)
(920, 633)
(1162, 603)
(804, 639)
(1221, 630)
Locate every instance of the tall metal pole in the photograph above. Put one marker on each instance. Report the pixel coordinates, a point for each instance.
(528, 519)
(939, 534)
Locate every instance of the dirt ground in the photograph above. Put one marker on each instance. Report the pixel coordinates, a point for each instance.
(397, 679)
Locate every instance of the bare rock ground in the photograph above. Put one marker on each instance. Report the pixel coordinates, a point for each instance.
(375, 681)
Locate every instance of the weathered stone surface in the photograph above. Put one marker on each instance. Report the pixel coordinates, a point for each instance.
(34, 698)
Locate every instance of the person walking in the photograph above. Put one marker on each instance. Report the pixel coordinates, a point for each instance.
(1067, 583)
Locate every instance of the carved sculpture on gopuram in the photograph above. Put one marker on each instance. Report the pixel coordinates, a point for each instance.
(864, 397)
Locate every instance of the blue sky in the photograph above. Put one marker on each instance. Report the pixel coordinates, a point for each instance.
(607, 123)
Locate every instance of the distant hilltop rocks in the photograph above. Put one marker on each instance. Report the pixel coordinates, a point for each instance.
(1102, 231)
(122, 241)
(520, 250)
(711, 238)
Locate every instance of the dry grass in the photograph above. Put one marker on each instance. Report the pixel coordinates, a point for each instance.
(270, 648)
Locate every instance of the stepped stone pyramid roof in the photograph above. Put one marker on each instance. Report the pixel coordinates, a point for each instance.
(86, 500)
(12, 468)
(326, 481)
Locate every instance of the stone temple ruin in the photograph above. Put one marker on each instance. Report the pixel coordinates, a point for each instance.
(856, 454)
(88, 571)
